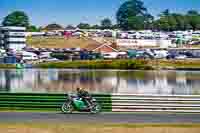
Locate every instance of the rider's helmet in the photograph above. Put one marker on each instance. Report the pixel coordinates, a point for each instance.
(78, 89)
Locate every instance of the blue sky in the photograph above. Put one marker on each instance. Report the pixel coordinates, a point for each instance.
(64, 12)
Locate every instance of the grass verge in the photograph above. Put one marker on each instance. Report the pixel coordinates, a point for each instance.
(126, 64)
(97, 128)
(7, 66)
(187, 64)
(99, 64)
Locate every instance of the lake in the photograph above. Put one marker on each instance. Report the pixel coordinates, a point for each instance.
(100, 81)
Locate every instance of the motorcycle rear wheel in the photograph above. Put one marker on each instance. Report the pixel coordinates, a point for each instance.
(67, 107)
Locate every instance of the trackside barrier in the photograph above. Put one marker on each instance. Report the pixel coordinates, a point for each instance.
(108, 102)
(44, 102)
(156, 103)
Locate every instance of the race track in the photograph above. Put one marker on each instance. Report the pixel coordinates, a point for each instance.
(100, 118)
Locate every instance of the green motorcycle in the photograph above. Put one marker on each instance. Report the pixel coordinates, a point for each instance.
(74, 103)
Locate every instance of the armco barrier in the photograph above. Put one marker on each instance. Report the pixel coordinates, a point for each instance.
(156, 103)
(44, 102)
(114, 102)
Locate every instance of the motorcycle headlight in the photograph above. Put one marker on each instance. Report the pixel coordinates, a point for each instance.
(94, 100)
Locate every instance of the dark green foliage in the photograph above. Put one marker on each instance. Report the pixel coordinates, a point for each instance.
(132, 15)
(70, 27)
(17, 18)
(44, 101)
(83, 26)
(173, 21)
(7, 66)
(53, 26)
(96, 27)
(60, 56)
(33, 28)
(106, 23)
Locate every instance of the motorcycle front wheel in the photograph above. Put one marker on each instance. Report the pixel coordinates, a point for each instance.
(67, 107)
(95, 109)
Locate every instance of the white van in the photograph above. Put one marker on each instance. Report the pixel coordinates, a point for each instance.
(45, 55)
(29, 56)
(159, 54)
(110, 55)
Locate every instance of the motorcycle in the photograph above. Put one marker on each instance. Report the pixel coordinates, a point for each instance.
(74, 103)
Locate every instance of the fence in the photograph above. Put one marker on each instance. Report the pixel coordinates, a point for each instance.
(155, 103)
(114, 102)
(44, 102)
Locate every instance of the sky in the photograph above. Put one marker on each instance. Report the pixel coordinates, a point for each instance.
(64, 12)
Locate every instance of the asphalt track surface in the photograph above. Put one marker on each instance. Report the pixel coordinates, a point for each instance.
(99, 118)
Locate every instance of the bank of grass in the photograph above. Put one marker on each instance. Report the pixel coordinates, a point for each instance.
(7, 66)
(99, 64)
(58, 127)
(187, 64)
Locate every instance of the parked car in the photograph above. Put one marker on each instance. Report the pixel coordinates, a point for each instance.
(180, 57)
(50, 60)
(29, 56)
(45, 55)
(143, 55)
(159, 54)
(171, 56)
(189, 54)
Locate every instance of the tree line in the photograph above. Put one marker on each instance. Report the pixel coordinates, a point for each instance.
(131, 15)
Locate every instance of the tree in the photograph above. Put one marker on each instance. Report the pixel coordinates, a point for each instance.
(70, 27)
(148, 24)
(165, 13)
(172, 23)
(180, 21)
(188, 27)
(164, 24)
(167, 21)
(83, 26)
(17, 18)
(106, 23)
(132, 15)
(198, 26)
(193, 18)
(95, 26)
(115, 26)
(164, 20)
(53, 26)
(193, 12)
(33, 28)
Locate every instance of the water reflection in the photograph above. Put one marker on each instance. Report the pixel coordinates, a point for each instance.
(100, 81)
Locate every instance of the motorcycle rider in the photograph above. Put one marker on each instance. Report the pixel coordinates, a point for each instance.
(86, 97)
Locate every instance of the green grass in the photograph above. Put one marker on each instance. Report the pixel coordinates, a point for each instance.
(187, 64)
(177, 64)
(99, 64)
(58, 127)
(125, 64)
(7, 66)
